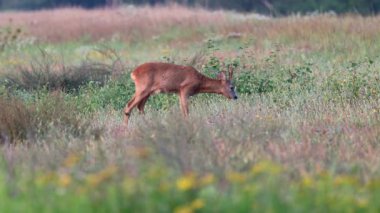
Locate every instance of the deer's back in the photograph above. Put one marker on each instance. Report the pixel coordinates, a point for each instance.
(165, 77)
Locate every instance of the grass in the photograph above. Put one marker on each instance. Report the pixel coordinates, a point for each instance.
(303, 136)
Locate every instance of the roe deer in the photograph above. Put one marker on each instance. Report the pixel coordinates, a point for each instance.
(152, 78)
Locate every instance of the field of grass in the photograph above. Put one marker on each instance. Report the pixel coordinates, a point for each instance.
(304, 135)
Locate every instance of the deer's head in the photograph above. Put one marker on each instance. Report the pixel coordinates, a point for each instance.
(228, 88)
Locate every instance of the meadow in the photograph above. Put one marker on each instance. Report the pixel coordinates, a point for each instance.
(302, 137)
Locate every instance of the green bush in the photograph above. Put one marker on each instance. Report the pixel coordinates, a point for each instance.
(359, 80)
(248, 83)
(276, 79)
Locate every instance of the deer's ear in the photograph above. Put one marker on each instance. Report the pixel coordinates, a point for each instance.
(222, 76)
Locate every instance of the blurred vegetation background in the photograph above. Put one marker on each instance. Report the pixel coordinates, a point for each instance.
(272, 7)
(303, 136)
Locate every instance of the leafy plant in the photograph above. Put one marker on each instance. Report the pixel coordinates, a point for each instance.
(249, 83)
(301, 75)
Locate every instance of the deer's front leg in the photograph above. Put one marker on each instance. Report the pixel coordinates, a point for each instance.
(183, 101)
(184, 95)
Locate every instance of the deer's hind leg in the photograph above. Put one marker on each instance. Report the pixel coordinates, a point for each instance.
(137, 98)
(128, 111)
(141, 105)
(131, 101)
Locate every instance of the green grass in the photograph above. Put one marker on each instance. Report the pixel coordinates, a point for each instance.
(302, 137)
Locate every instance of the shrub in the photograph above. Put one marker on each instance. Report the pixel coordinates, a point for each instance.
(249, 83)
(359, 80)
(301, 75)
(26, 122)
(48, 73)
(114, 93)
(53, 111)
(16, 120)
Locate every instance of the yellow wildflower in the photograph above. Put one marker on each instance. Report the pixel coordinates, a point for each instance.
(307, 181)
(95, 55)
(207, 180)
(129, 185)
(165, 51)
(265, 167)
(64, 180)
(183, 209)
(362, 202)
(236, 177)
(197, 204)
(186, 182)
(71, 160)
(14, 62)
(373, 184)
(345, 180)
(95, 179)
(45, 178)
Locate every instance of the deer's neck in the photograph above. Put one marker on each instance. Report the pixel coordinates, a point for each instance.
(210, 85)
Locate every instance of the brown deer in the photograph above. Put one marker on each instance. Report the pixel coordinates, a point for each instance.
(152, 78)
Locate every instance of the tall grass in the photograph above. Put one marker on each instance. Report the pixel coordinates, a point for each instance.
(48, 115)
(16, 121)
(144, 23)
